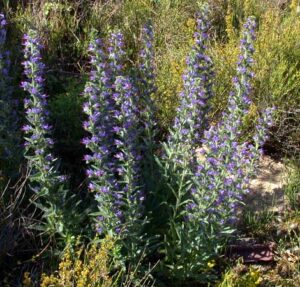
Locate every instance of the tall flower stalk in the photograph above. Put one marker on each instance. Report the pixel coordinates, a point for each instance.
(128, 155)
(147, 115)
(226, 165)
(147, 87)
(177, 163)
(113, 126)
(226, 169)
(99, 107)
(37, 130)
(129, 167)
(114, 162)
(198, 77)
(128, 193)
(44, 179)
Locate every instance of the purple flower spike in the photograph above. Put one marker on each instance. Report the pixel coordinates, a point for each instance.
(229, 164)
(112, 126)
(99, 124)
(37, 129)
(44, 176)
(190, 121)
(239, 100)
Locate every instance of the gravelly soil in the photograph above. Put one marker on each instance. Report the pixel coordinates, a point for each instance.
(266, 190)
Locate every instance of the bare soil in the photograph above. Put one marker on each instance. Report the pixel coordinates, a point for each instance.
(266, 190)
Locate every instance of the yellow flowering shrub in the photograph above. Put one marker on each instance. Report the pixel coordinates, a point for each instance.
(171, 65)
(277, 69)
(83, 268)
(169, 87)
(233, 278)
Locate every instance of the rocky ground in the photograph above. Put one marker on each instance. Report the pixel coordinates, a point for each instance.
(266, 190)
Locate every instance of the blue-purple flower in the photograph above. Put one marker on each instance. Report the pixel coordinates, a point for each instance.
(198, 77)
(129, 150)
(99, 109)
(233, 163)
(45, 181)
(38, 141)
(113, 134)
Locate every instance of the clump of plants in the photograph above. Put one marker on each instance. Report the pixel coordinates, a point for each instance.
(173, 199)
(198, 196)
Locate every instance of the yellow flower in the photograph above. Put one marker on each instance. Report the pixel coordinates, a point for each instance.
(190, 23)
(258, 281)
(83, 267)
(294, 5)
(211, 264)
(27, 280)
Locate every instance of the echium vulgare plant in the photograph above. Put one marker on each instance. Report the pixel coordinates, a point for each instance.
(225, 165)
(145, 83)
(45, 182)
(208, 185)
(129, 164)
(177, 162)
(114, 159)
(99, 107)
(8, 116)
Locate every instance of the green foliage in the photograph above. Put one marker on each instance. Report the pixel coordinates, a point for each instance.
(60, 22)
(292, 189)
(257, 224)
(66, 118)
(187, 249)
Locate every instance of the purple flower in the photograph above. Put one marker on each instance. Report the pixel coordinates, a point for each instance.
(193, 108)
(147, 87)
(242, 81)
(228, 164)
(127, 134)
(228, 181)
(104, 189)
(44, 177)
(36, 105)
(120, 156)
(111, 123)
(26, 128)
